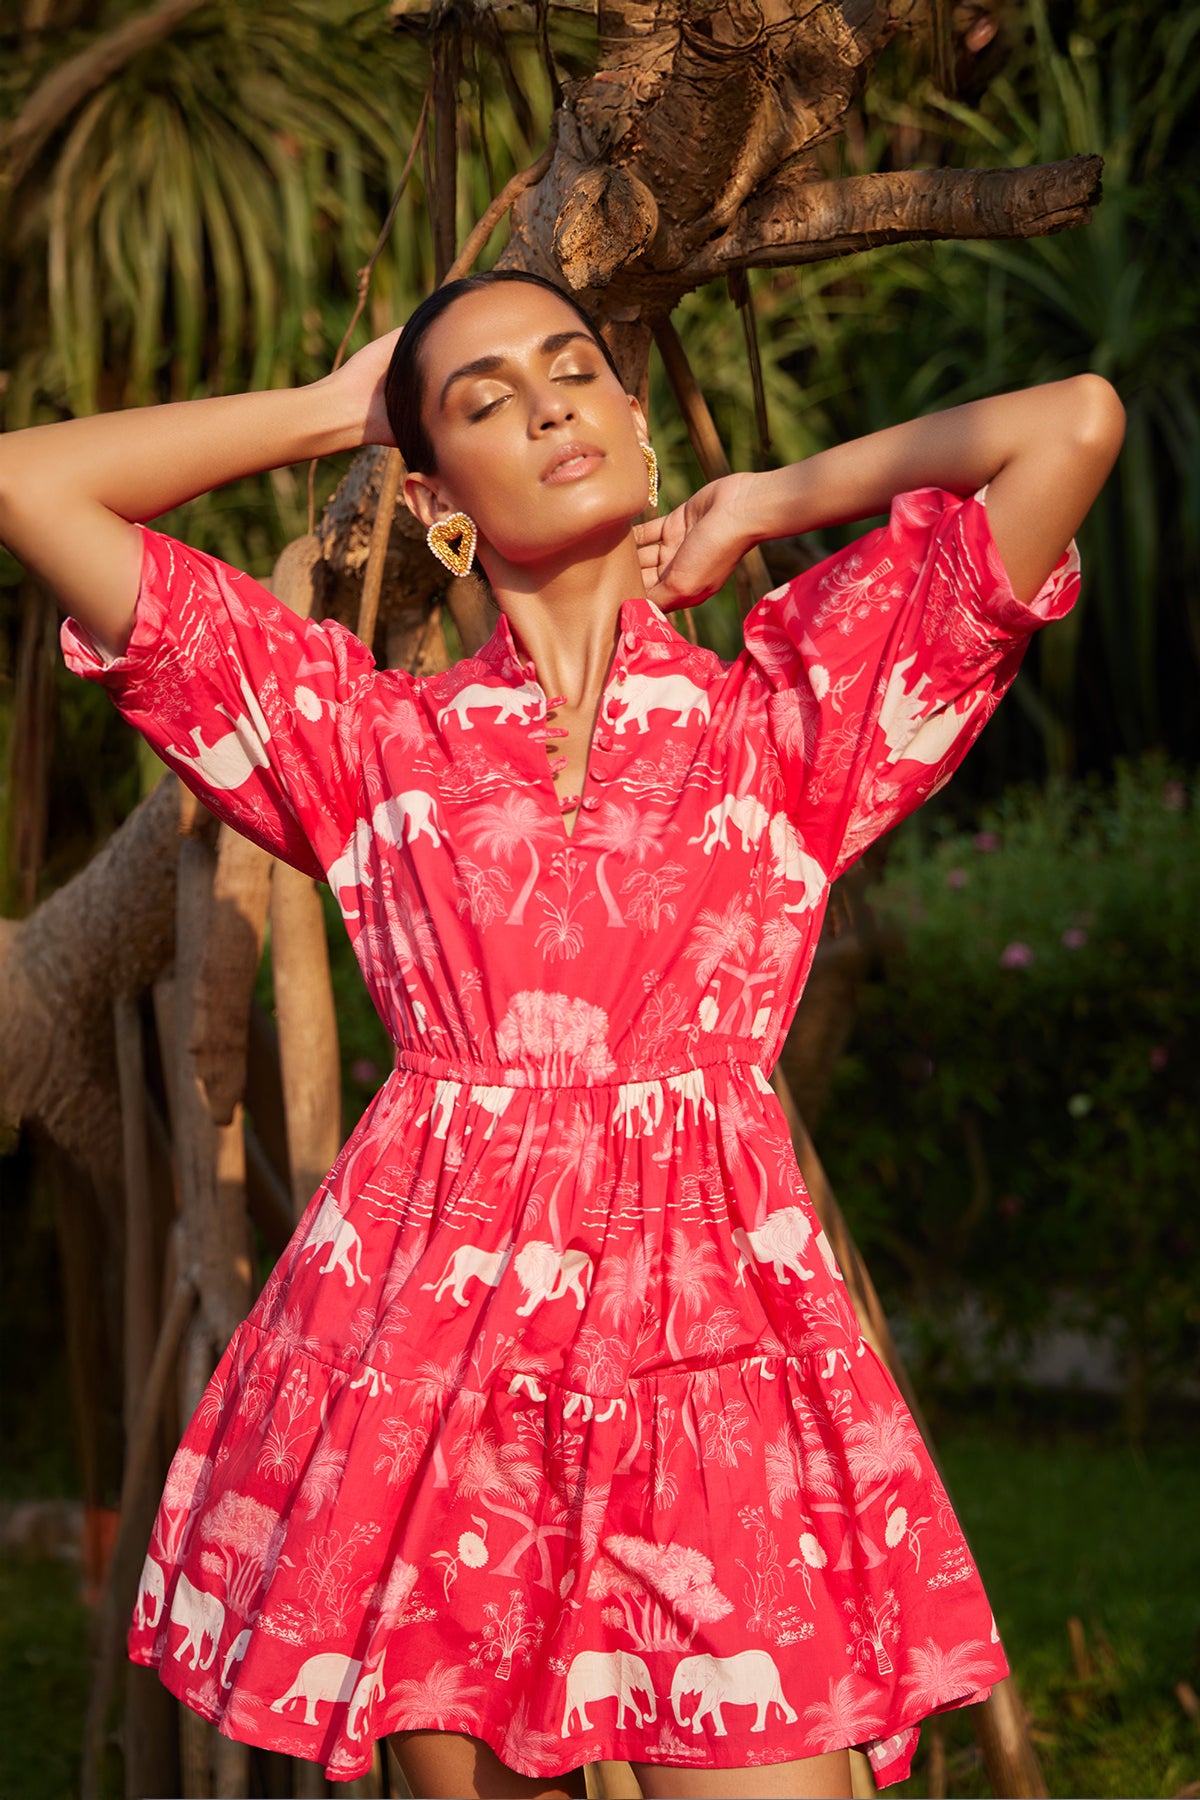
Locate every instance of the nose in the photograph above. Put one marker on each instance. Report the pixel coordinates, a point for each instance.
(550, 406)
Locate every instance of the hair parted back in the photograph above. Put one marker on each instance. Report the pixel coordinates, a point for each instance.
(404, 383)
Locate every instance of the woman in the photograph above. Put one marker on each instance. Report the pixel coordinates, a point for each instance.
(552, 1435)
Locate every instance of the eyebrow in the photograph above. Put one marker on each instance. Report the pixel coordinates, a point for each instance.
(487, 365)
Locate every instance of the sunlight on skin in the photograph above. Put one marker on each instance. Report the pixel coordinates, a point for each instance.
(452, 1765)
(814, 1778)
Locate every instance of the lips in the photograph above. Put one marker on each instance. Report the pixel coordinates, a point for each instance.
(571, 462)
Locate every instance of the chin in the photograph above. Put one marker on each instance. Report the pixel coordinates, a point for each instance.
(580, 525)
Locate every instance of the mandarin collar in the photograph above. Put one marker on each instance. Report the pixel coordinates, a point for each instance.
(640, 624)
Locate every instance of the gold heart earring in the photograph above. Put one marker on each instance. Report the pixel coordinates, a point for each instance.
(444, 534)
(652, 471)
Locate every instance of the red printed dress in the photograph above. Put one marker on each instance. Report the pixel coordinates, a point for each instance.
(554, 1423)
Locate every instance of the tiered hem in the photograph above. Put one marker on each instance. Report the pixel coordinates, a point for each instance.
(602, 1532)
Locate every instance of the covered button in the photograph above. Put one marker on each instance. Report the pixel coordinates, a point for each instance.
(629, 639)
(590, 804)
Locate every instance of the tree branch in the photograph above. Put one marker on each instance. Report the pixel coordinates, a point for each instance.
(808, 221)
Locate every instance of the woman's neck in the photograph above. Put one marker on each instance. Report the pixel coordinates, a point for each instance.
(565, 613)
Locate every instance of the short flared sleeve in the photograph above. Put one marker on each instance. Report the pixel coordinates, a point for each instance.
(885, 661)
(255, 709)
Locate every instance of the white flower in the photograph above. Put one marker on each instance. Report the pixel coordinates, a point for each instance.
(818, 676)
(897, 1525)
(811, 1551)
(472, 1550)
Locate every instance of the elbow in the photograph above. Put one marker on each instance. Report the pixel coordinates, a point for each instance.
(1097, 418)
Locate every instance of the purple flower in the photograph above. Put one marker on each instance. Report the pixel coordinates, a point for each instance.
(956, 878)
(1016, 956)
(986, 840)
(1009, 1205)
(1160, 1056)
(1174, 797)
(1074, 937)
(365, 1072)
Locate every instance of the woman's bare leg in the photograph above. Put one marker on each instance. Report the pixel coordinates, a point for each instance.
(824, 1777)
(453, 1765)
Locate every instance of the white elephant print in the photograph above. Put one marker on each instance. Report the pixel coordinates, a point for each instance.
(370, 1688)
(689, 1089)
(330, 1230)
(328, 1677)
(638, 1101)
(494, 1100)
(151, 1593)
(743, 811)
(407, 816)
(748, 1679)
(201, 1615)
(601, 1675)
(235, 1653)
(445, 1093)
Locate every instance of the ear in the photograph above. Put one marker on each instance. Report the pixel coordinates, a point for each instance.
(639, 418)
(423, 500)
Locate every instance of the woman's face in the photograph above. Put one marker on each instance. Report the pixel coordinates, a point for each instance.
(535, 437)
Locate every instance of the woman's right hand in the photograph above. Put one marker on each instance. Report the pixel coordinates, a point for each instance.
(359, 386)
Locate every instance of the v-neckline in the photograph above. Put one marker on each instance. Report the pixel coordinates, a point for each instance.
(611, 680)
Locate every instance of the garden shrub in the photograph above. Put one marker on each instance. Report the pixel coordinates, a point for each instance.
(1017, 1116)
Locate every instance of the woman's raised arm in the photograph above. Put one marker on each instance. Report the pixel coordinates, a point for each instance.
(71, 493)
(1043, 453)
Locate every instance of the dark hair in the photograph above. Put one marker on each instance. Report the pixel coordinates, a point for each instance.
(404, 383)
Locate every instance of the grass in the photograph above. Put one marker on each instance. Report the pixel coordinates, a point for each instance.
(43, 1678)
(1063, 1522)
(1063, 1519)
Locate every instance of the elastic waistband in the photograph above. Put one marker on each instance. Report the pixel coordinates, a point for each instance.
(738, 1053)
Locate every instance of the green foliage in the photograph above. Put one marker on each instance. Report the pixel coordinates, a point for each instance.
(860, 343)
(1018, 1114)
(1065, 1523)
(43, 1695)
(198, 223)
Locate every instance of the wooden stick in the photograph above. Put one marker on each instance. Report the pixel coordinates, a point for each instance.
(137, 1482)
(381, 531)
(504, 202)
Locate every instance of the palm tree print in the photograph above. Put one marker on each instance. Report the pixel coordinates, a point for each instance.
(626, 831)
(505, 826)
(941, 1672)
(847, 1717)
(512, 1486)
(444, 1697)
(692, 1268)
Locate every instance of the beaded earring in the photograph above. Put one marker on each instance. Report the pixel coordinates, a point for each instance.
(452, 541)
(652, 471)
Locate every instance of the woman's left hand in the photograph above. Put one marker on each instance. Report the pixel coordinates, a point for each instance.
(687, 554)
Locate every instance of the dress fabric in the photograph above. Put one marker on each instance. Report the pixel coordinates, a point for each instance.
(554, 1423)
